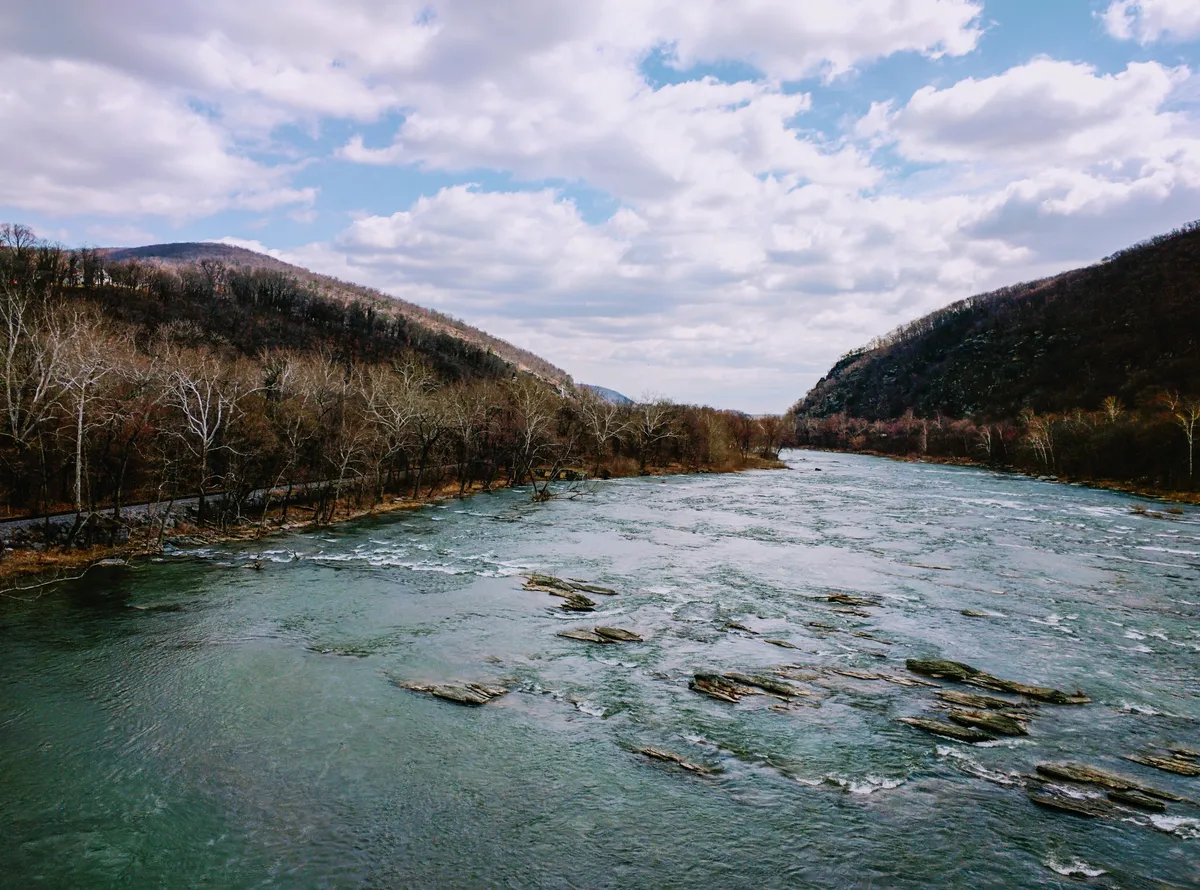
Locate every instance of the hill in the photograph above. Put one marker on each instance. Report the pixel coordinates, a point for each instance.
(1128, 327)
(276, 303)
(609, 395)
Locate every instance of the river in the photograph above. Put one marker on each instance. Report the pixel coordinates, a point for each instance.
(196, 722)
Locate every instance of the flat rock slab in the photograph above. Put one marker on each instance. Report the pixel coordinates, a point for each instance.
(577, 602)
(619, 635)
(948, 730)
(1088, 807)
(767, 684)
(845, 599)
(976, 701)
(473, 694)
(720, 687)
(783, 644)
(1179, 765)
(1083, 774)
(1138, 800)
(585, 636)
(989, 721)
(965, 673)
(669, 757)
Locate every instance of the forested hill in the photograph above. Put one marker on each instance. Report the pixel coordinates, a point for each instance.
(255, 301)
(1128, 327)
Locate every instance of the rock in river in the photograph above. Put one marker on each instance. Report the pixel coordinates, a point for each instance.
(577, 602)
(1175, 764)
(1137, 800)
(1089, 807)
(767, 684)
(668, 757)
(949, 730)
(720, 687)
(584, 635)
(473, 694)
(1083, 774)
(964, 673)
(783, 643)
(976, 701)
(618, 635)
(1000, 724)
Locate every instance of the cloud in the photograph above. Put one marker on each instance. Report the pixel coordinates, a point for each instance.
(81, 139)
(1043, 113)
(1147, 21)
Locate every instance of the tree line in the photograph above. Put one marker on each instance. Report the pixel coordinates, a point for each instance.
(1152, 446)
(125, 382)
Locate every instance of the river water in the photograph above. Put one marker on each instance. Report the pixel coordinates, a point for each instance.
(194, 722)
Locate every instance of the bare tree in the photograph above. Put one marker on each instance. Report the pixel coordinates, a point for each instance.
(1186, 413)
(603, 421)
(86, 361)
(206, 395)
(653, 424)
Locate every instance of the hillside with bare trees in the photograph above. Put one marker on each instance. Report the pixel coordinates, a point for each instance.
(1091, 374)
(263, 396)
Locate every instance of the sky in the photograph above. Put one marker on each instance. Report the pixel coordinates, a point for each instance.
(708, 200)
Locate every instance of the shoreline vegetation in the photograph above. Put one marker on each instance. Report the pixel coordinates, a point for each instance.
(247, 398)
(1148, 452)
(1169, 496)
(27, 571)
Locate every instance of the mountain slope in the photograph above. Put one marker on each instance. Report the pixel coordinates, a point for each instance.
(255, 277)
(1127, 327)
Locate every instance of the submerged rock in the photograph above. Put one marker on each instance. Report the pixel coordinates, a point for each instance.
(1179, 765)
(1000, 724)
(719, 687)
(949, 730)
(618, 635)
(473, 694)
(584, 635)
(782, 643)
(577, 602)
(669, 757)
(974, 613)
(733, 625)
(346, 651)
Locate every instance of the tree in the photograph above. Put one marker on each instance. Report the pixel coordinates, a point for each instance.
(603, 420)
(653, 423)
(206, 395)
(1186, 413)
(85, 363)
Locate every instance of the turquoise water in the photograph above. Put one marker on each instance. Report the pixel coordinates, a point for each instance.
(178, 725)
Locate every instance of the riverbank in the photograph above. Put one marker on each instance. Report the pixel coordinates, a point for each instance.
(1158, 494)
(26, 572)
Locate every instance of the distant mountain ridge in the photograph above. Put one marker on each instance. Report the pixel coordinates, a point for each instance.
(609, 395)
(1128, 327)
(181, 254)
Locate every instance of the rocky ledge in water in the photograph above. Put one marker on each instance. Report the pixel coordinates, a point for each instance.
(770, 685)
(976, 701)
(559, 587)
(577, 602)
(1082, 774)
(845, 599)
(1057, 799)
(1180, 765)
(990, 721)
(964, 673)
(473, 694)
(602, 635)
(668, 757)
(948, 730)
(784, 644)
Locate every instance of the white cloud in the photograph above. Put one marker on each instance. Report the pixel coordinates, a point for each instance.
(1043, 113)
(1149, 20)
(81, 139)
